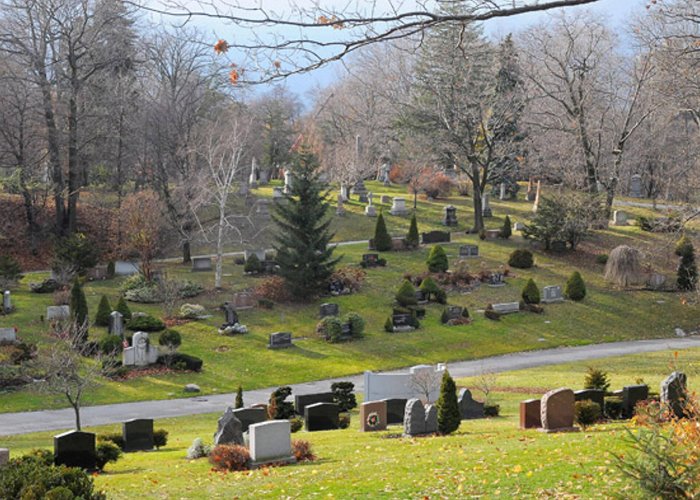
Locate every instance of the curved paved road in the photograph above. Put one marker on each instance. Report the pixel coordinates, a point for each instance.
(20, 423)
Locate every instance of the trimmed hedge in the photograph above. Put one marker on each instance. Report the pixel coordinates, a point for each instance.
(191, 363)
(521, 258)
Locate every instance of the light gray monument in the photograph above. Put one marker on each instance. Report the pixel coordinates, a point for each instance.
(398, 206)
(636, 186)
(6, 302)
(270, 441)
(116, 324)
(552, 294)
(287, 181)
(370, 210)
(141, 352)
(486, 205)
(57, 313)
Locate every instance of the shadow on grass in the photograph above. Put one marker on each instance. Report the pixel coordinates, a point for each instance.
(306, 352)
(135, 470)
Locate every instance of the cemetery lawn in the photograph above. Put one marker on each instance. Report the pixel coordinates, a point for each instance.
(489, 457)
(605, 315)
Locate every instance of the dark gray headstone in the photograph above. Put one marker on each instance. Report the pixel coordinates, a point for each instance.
(558, 246)
(674, 393)
(116, 324)
(370, 258)
(421, 296)
(400, 320)
(280, 340)
(454, 312)
(468, 407)
(229, 429)
(395, 409)
(328, 309)
(250, 416)
(431, 419)
(75, 449)
(435, 237)
(631, 395)
(469, 251)
(138, 434)
(201, 264)
(414, 418)
(230, 314)
(301, 401)
(321, 417)
(595, 395)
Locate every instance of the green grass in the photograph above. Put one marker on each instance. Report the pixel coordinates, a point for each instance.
(490, 458)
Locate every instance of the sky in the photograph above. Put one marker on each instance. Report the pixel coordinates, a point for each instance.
(618, 13)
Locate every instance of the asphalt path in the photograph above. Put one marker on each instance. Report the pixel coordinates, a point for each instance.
(44, 420)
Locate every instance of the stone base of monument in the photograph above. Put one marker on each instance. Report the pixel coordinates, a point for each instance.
(560, 429)
(277, 461)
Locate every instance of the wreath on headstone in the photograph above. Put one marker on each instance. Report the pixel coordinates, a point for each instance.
(373, 420)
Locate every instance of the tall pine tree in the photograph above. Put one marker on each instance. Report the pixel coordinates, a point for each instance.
(305, 259)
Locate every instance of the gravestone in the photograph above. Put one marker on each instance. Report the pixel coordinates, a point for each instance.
(536, 205)
(259, 253)
(301, 401)
(402, 321)
(280, 340)
(8, 334)
(141, 352)
(395, 409)
(486, 206)
(493, 234)
(7, 302)
(502, 193)
(373, 416)
(4, 456)
(138, 434)
(201, 264)
(414, 418)
(385, 199)
(398, 206)
(230, 314)
(287, 181)
(340, 209)
(398, 243)
(595, 395)
(370, 210)
(253, 177)
(243, 300)
(518, 226)
(75, 449)
(619, 218)
(421, 297)
(277, 193)
(558, 246)
(321, 417)
(674, 393)
(636, 186)
(250, 416)
(468, 407)
(262, 207)
(552, 294)
(370, 259)
(360, 190)
(431, 419)
(656, 281)
(467, 251)
(497, 279)
(631, 395)
(229, 430)
(116, 324)
(530, 414)
(125, 268)
(450, 217)
(435, 237)
(557, 411)
(454, 312)
(57, 313)
(271, 442)
(328, 309)
(530, 194)
(344, 192)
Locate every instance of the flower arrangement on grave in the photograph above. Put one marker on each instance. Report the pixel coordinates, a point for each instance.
(373, 420)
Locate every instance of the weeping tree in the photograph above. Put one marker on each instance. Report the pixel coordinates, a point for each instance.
(303, 254)
(624, 267)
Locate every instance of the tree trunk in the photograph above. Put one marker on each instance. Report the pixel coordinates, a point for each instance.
(219, 246)
(186, 254)
(76, 410)
(478, 206)
(70, 219)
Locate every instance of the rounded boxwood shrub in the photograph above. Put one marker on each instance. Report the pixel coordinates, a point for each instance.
(106, 452)
(330, 328)
(437, 260)
(103, 312)
(430, 288)
(491, 410)
(111, 344)
(160, 438)
(296, 423)
(406, 295)
(115, 437)
(587, 413)
(192, 311)
(344, 421)
(357, 323)
(389, 325)
(531, 294)
(613, 407)
(170, 338)
(521, 258)
(182, 361)
(575, 287)
(145, 323)
(601, 258)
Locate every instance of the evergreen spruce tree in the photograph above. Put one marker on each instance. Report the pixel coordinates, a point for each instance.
(412, 238)
(449, 416)
(239, 397)
(79, 307)
(531, 294)
(506, 230)
(575, 287)
(406, 295)
(123, 308)
(305, 259)
(382, 239)
(687, 268)
(437, 260)
(103, 312)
